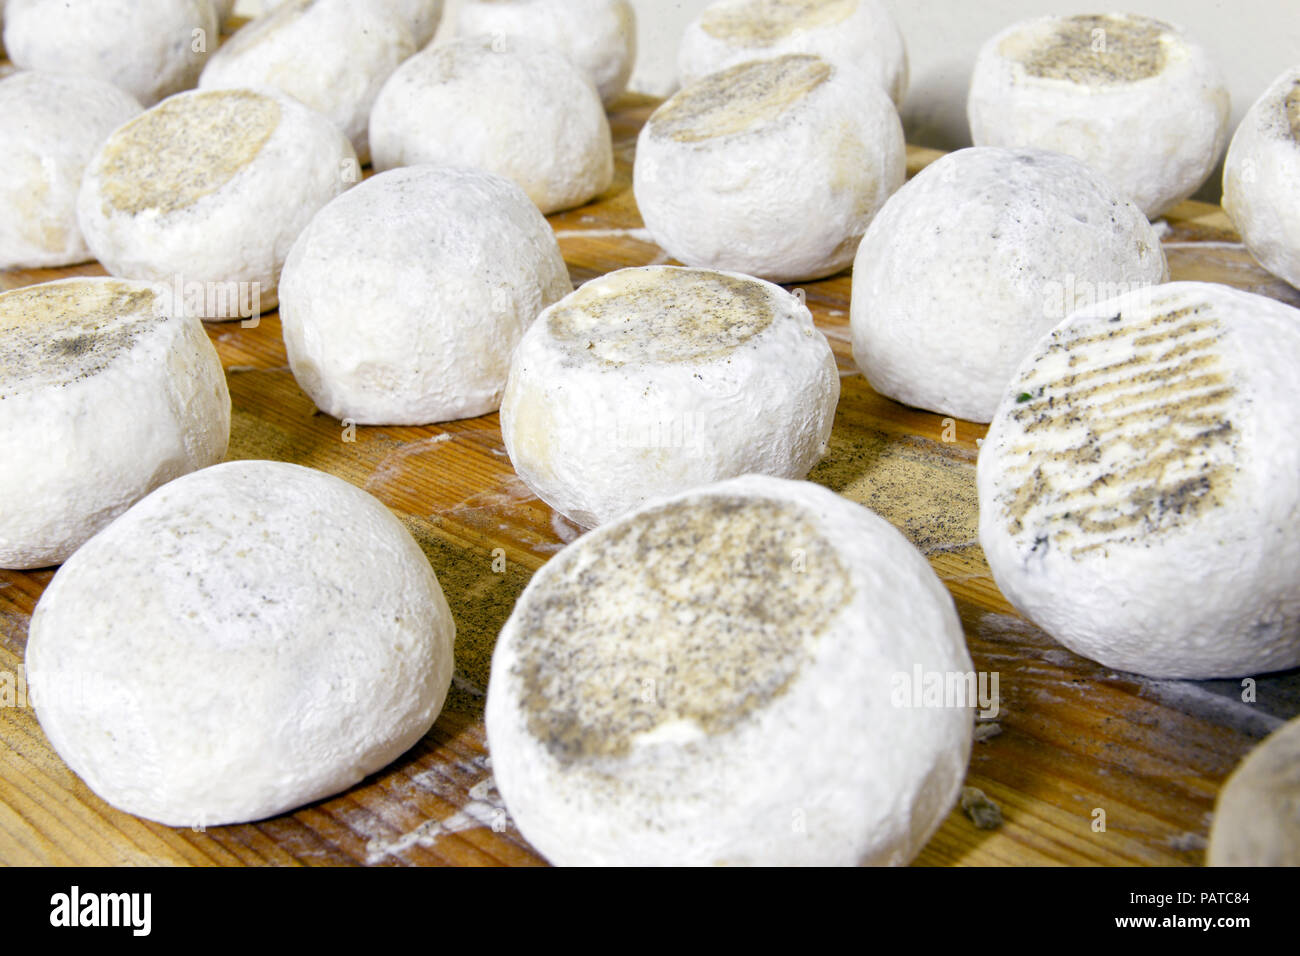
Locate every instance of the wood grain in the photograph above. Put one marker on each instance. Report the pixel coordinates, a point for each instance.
(1072, 738)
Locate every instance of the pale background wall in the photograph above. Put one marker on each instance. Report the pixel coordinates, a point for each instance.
(1252, 41)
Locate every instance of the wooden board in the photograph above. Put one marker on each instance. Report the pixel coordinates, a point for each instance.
(1072, 738)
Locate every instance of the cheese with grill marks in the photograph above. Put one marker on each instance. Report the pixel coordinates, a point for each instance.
(1140, 483)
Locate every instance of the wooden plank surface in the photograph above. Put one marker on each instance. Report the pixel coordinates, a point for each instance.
(1072, 737)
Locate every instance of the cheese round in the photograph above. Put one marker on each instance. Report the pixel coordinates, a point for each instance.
(599, 36)
(716, 679)
(1257, 815)
(105, 394)
(247, 639)
(1139, 487)
(403, 299)
(978, 257)
(857, 33)
(649, 381)
(149, 48)
(51, 125)
(504, 105)
(773, 168)
(1081, 85)
(208, 190)
(333, 55)
(1260, 177)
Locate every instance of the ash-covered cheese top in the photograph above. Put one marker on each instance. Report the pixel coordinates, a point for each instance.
(1092, 50)
(1122, 431)
(761, 23)
(701, 611)
(743, 98)
(660, 316)
(54, 334)
(1292, 107)
(183, 149)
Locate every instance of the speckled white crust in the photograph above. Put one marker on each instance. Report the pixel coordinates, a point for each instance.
(1046, 83)
(1257, 815)
(1140, 486)
(677, 688)
(945, 306)
(403, 300)
(858, 33)
(150, 48)
(50, 126)
(1260, 178)
(104, 396)
(236, 175)
(773, 168)
(515, 109)
(333, 55)
(649, 381)
(599, 36)
(245, 640)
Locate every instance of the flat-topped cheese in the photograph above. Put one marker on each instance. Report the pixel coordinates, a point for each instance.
(648, 381)
(1093, 50)
(1079, 85)
(106, 393)
(223, 133)
(1137, 498)
(860, 34)
(830, 148)
(689, 685)
(206, 192)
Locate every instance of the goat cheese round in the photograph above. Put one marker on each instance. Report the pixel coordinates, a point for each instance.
(333, 55)
(149, 48)
(504, 105)
(1257, 815)
(403, 300)
(717, 679)
(1260, 178)
(978, 257)
(857, 33)
(106, 392)
(51, 125)
(599, 36)
(245, 640)
(773, 168)
(1081, 85)
(648, 381)
(1139, 487)
(208, 190)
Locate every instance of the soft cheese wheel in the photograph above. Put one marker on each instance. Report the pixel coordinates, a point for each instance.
(105, 394)
(1257, 815)
(599, 36)
(51, 125)
(245, 640)
(1140, 484)
(857, 33)
(648, 381)
(714, 679)
(504, 105)
(150, 48)
(978, 257)
(772, 168)
(333, 55)
(403, 299)
(210, 189)
(1261, 178)
(1135, 98)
